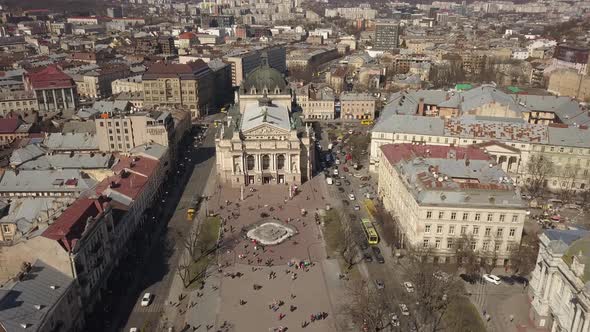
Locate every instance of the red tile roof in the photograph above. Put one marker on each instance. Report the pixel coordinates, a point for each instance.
(70, 225)
(131, 175)
(50, 77)
(187, 35)
(397, 152)
(9, 126)
(139, 165)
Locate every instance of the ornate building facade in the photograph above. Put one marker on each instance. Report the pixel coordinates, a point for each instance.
(264, 145)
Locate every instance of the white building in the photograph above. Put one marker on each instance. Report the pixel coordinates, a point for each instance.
(560, 284)
(442, 194)
(511, 128)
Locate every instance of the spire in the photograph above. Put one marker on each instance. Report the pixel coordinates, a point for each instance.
(264, 59)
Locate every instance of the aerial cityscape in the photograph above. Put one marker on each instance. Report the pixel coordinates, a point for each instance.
(294, 165)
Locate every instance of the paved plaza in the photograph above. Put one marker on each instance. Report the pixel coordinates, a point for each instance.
(293, 276)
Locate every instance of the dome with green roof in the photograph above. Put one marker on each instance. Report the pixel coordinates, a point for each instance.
(264, 79)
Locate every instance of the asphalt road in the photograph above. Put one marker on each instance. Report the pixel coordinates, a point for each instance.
(152, 268)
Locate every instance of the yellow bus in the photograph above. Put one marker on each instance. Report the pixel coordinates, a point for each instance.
(370, 231)
(367, 122)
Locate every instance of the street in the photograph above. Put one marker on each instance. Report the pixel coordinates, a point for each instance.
(152, 268)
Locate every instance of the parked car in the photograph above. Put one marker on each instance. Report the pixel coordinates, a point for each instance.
(404, 309)
(133, 329)
(469, 278)
(380, 259)
(507, 279)
(336, 171)
(492, 279)
(357, 208)
(367, 256)
(338, 183)
(409, 287)
(365, 178)
(379, 283)
(340, 189)
(347, 182)
(351, 197)
(146, 299)
(345, 169)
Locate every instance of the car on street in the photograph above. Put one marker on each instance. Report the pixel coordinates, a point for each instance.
(492, 279)
(358, 175)
(365, 178)
(379, 283)
(342, 177)
(351, 197)
(133, 329)
(344, 168)
(394, 320)
(468, 278)
(336, 171)
(146, 299)
(404, 309)
(507, 280)
(367, 255)
(357, 208)
(347, 182)
(409, 287)
(338, 183)
(378, 256)
(340, 189)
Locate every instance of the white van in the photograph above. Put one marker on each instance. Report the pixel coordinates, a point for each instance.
(329, 180)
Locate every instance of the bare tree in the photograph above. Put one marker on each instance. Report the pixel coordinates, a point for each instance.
(466, 255)
(488, 257)
(538, 169)
(368, 307)
(434, 292)
(523, 257)
(190, 244)
(183, 270)
(567, 182)
(348, 248)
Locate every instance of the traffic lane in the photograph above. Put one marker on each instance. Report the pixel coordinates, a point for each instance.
(177, 225)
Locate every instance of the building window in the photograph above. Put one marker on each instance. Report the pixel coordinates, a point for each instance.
(453, 215)
(465, 215)
(515, 218)
(437, 243)
(425, 243)
(502, 217)
(490, 217)
(477, 216)
(280, 161)
(463, 230)
(117, 123)
(441, 215)
(101, 123)
(488, 231)
(486, 245)
(439, 229)
(118, 131)
(452, 229)
(265, 162)
(475, 230)
(5, 229)
(126, 131)
(112, 146)
(250, 162)
(428, 214)
(473, 244)
(110, 131)
(512, 232)
(450, 243)
(499, 232)
(427, 229)
(497, 246)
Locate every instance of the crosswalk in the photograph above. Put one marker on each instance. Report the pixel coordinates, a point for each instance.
(155, 306)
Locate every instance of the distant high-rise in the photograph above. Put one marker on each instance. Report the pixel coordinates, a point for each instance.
(115, 12)
(386, 35)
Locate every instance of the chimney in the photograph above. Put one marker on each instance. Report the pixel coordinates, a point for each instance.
(421, 107)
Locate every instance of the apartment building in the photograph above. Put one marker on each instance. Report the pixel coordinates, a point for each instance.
(244, 61)
(386, 36)
(95, 81)
(559, 292)
(440, 194)
(511, 128)
(122, 131)
(128, 84)
(317, 103)
(360, 106)
(185, 85)
(42, 299)
(17, 101)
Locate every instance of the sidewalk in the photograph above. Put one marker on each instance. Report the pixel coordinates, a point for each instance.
(175, 308)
